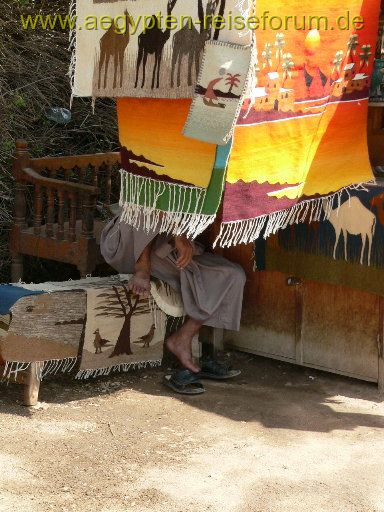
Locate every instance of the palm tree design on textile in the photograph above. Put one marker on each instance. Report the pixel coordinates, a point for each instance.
(232, 81)
(365, 55)
(279, 43)
(337, 62)
(121, 303)
(352, 44)
(266, 55)
(348, 78)
(287, 88)
(287, 66)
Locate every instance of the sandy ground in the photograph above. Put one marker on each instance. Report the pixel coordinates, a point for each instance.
(279, 438)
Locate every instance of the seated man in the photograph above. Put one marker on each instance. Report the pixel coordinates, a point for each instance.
(211, 286)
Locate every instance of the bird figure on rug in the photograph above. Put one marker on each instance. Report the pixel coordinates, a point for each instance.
(147, 338)
(99, 342)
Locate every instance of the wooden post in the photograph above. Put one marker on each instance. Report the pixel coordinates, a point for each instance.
(38, 210)
(32, 385)
(212, 339)
(72, 217)
(50, 212)
(17, 268)
(21, 160)
(88, 217)
(61, 216)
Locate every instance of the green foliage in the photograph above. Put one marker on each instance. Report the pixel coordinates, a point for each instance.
(33, 77)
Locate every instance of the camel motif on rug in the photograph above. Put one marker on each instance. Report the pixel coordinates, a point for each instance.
(353, 230)
(148, 58)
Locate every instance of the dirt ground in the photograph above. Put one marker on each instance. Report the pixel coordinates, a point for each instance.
(278, 438)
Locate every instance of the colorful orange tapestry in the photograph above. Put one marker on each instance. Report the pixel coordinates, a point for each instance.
(302, 133)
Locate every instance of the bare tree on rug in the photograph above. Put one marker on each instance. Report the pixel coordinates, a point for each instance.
(122, 304)
(152, 42)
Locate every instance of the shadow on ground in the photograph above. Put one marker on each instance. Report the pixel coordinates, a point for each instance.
(274, 394)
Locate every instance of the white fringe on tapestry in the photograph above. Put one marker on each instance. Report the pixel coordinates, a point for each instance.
(249, 230)
(42, 368)
(72, 48)
(176, 219)
(122, 367)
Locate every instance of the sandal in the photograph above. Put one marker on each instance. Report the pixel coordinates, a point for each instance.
(184, 382)
(211, 369)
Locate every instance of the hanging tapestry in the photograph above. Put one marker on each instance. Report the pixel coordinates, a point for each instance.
(219, 92)
(347, 248)
(302, 134)
(165, 172)
(151, 48)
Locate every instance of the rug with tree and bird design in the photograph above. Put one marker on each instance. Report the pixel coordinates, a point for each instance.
(93, 326)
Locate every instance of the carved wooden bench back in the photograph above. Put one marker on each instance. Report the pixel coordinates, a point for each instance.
(53, 197)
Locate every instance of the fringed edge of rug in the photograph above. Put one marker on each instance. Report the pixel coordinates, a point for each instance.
(173, 221)
(72, 49)
(122, 367)
(249, 230)
(42, 368)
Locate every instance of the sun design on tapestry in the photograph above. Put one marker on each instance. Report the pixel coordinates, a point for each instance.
(286, 88)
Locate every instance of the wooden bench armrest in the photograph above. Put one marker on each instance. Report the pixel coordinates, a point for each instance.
(31, 176)
(68, 162)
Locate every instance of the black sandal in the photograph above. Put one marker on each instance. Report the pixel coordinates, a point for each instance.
(211, 369)
(184, 382)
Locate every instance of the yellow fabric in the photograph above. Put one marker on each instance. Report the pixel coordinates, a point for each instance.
(312, 154)
(160, 139)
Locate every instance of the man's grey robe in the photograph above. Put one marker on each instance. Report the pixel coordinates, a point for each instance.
(211, 286)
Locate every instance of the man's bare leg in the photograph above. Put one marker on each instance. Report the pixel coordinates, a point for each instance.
(140, 282)
(180, 344)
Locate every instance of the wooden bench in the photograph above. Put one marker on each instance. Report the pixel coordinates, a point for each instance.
(57, 208)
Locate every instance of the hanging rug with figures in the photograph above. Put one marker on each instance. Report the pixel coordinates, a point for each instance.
(294, 131)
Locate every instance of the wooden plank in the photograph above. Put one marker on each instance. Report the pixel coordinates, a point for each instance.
(213, 339)
(32, 385)
(269, 319)
(269, 309)
(314, 366)
(299, 321)
(68, 162)
(340, 329)
(380, 346)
